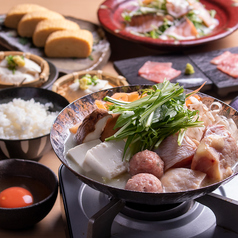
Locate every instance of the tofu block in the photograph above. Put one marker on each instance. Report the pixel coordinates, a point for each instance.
(106, 159)
(77, 153)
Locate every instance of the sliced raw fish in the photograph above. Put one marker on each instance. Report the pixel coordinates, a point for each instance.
(157, 71)
(182, 179)
(203, 13)
(145, 23)
(218, 59)
(216, 153)
(184, 29)
(152, 66)
(177, 8)
(174, 155)
(230, 65)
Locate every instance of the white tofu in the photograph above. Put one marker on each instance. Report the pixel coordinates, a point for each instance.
(78, 153)
(106, 159)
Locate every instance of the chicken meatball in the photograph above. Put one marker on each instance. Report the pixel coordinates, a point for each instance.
(144, 182)
(146, 162)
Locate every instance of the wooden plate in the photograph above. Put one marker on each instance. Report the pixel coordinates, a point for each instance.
(61, 85)
(43, 76)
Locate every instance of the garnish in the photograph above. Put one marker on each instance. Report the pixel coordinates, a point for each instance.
(14, 61)
(87, 80)
(189, 69)
(159, 113)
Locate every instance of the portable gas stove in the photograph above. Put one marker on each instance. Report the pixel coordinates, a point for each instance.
(92, 214)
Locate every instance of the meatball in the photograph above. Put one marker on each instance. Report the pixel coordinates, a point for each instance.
(146, 162)
(144, 182)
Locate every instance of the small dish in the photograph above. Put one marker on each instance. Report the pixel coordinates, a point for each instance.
(44, 190)
(43, 75)
(61, 85)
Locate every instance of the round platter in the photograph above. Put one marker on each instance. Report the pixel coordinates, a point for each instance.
(109, 15)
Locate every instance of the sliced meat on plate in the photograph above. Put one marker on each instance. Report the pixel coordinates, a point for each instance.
(227, 63)
(220, 58)
(144, 23)
(157, 71)
(183, 30)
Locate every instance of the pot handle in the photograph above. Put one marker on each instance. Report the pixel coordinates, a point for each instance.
(101, 222)
(225, 210)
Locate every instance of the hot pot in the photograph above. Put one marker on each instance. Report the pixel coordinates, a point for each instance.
(76, 112)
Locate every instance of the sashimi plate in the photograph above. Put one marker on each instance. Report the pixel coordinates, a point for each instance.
(110, 17)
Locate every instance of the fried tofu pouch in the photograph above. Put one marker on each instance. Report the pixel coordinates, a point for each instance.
(46, 27)
(69, 44)
(16, 13)
(28, 23)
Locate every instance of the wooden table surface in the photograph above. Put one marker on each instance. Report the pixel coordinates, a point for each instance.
(52, 225)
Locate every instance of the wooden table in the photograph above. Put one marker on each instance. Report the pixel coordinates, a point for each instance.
(52, 225)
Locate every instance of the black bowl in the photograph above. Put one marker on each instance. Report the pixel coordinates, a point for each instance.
(25, 217)
(34, 148)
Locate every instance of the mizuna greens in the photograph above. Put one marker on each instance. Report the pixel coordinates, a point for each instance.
(146, 122)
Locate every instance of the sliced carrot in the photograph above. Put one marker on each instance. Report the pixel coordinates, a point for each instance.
(133, 96)
(100, 104)
(74, 128)
(121, 96)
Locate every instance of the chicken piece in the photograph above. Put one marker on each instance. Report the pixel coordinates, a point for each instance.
(174, 155)
(109, 127)
(182, 179)
(218, 59)
(146, 162)
(216, 153)
(144, 182)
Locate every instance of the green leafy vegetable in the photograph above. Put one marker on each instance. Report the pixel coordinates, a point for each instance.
(146, 122)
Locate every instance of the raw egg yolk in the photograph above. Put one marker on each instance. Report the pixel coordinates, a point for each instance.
(15, 197)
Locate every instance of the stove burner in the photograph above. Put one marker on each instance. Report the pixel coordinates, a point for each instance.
(155, 212)
(85, 206)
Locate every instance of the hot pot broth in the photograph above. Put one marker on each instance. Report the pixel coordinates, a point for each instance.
(75, 113)
(121, 180)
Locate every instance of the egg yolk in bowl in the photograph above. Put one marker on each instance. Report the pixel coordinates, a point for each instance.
(14, 197)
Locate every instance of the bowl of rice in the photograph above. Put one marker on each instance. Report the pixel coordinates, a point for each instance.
(26, 117)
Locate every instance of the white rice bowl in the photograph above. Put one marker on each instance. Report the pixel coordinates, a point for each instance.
(20, 119)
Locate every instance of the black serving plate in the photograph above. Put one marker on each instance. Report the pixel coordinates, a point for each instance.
(129, 69)
(223, 83)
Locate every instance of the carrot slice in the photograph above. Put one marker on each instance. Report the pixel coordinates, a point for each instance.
(100, 104)
(133, 96)
(121, 96)
(74, 128)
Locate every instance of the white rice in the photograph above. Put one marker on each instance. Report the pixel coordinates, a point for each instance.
(20, 119)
